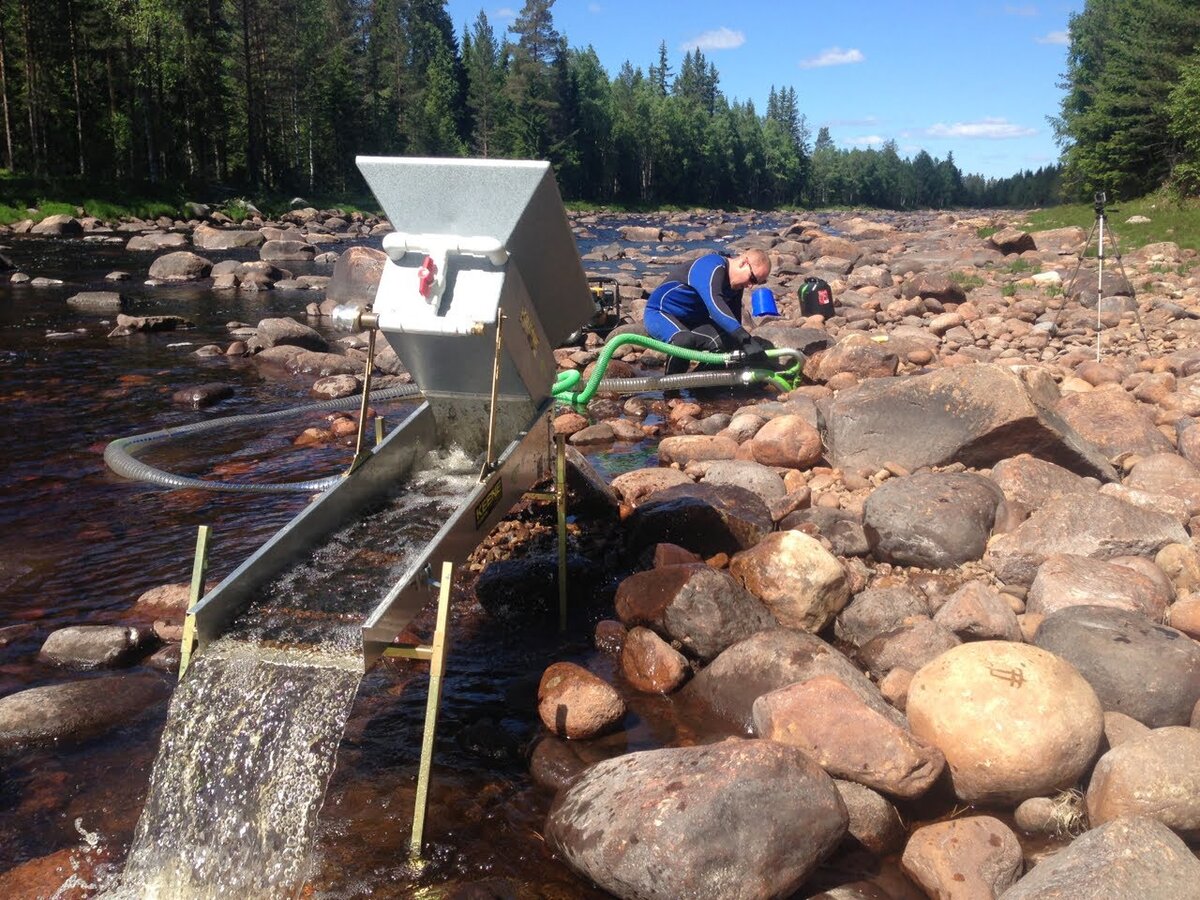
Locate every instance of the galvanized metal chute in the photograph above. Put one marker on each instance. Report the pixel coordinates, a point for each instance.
(482, 281)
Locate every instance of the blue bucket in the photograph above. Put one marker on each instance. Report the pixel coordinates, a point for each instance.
(762, 302)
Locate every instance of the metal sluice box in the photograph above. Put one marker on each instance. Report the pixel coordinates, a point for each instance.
(483, 280)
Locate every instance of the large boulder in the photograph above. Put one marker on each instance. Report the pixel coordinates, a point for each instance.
(1127, 857)
(704, 518)
(283, 331)
(769, 660)
(94, 646)
(182, 265)
(799, 581)
(704, 609)
(1013, 721)
(355, 278)
(1157, 776)
(1146, 671)
(1031, 482)
(206, 237)
(739, 819)
(76, 710)
(574, 703)
(933, 520)
(1112, 421)
(878, 610)
(61, 224)
(97, 302)
(976, 415)
(1094, 526)
(634, 487)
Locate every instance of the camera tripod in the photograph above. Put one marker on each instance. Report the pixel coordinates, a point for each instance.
(1099, 202)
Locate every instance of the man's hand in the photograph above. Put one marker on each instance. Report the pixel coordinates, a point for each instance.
(754, 350)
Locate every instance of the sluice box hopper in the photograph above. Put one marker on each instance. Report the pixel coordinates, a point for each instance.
(482, 281)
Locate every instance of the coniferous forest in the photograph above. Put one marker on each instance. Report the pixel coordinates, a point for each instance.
(281, 95)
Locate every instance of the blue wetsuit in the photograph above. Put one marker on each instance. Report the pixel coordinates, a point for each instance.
(696, 308)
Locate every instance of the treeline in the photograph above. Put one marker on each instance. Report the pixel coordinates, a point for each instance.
(1130, 117)
(281, 95)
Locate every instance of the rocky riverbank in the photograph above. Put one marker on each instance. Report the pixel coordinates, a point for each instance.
(932, 617)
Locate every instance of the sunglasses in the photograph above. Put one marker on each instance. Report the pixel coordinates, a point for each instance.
(754, 279)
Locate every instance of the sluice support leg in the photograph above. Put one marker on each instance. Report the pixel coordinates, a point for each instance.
(199, 570)
(436, 654)
(560, 508)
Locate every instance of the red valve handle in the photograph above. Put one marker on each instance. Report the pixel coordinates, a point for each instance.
(425, 276)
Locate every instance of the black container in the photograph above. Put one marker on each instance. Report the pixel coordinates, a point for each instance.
(816, 297)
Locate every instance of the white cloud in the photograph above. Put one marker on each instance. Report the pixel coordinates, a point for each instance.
(864, 122)
(505, 13)
(1027, 10)
(1055, 37)
(865, 140)
(718, 39)
(834, 56)
(988, 129)
(595, 8)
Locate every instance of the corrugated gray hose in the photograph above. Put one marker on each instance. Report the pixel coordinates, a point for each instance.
(119, 457)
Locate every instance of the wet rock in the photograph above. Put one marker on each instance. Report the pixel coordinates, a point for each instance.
(206, 237)
(75, 710)
(554, 763)
(98, 302)
(934, 520)
(1013, 721)
(705, 610)
(798, 580)
(910, 646)
(704, 518)
(708, 836)
(95, 646)
(127, 325)
(200, 396)
(1156, 776)
(299, 361)
(874, 822)
(182, 265)
(588, 491)
(287, 332)
(156, 240)
(650, 664)
(276, 251)
(336, 386)
(743, 473)
(975, 856)
(526, 588)
(1114, 422)
(876, 611)
(573, 703)
(848, 739)
(636, 486)
(1128, 857)
(976, 415)
(639, 234)
(1032, 482)
(769, 660)
(1094, 526)
(687, 448)
(787, 441)
(1146, 671)
(73, 873)
(977, 612)
(609, 635)
(1065, 580)
(355, 278)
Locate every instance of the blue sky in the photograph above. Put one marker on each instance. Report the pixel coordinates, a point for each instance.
(975, 77)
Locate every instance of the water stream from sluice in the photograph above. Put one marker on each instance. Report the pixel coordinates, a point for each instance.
(254, 726)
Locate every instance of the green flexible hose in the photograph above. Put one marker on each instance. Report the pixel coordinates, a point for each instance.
(564, 385)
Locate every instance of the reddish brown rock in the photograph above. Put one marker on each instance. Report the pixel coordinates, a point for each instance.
(686, 448)
(574, 703)
(829, 722)
(972, 857)
(787, 441)
(634, 487)
(650, 664)
(1156, 776)
(1068, 580)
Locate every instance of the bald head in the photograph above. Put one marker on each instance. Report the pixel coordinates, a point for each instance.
(750, 268)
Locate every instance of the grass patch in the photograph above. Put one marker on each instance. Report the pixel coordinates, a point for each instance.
(1009, 290)
(1054, 290)
(966, 282)
(985, 231)
(1019, 267)
(1170, 220)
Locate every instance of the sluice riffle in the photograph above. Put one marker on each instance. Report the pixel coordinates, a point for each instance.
(253, 728)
